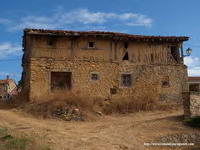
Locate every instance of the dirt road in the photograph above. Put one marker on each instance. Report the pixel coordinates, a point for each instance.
(108, 133)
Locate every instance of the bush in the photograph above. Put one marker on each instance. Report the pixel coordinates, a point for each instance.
(193, 122)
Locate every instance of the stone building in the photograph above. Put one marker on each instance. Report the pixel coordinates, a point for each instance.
(191, 99)
(103, 64)
(8, 88)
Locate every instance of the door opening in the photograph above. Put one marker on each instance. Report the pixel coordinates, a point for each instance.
(61, 80)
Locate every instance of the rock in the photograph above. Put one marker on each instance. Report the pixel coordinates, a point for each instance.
(99, 113)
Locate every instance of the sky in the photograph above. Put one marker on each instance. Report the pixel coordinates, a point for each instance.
(146, 17)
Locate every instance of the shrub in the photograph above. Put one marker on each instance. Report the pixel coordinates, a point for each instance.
(193, 122)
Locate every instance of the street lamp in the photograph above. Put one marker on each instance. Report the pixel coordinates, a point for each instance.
(188, 52)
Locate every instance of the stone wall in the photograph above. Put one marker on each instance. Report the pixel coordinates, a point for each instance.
(191, 104)
(147, 79)
(195, 104)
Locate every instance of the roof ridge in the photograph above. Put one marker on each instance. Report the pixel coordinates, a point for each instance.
(103, 33)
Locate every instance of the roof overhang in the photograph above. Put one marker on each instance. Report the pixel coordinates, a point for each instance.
(110, 35)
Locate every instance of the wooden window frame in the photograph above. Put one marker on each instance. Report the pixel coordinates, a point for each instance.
(126, 85)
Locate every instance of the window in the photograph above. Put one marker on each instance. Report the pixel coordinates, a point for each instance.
(113, 91)
(94, 76)
(126, 80)
(125, 45)
(165, 81)
(152, 58)
(126, 57)
(50, 41)
(91, 45)
(61, 80)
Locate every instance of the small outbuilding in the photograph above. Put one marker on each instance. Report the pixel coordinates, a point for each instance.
(8, 88)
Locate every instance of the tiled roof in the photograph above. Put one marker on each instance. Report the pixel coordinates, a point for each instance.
(102, 34)
(7, 81)
(193, 78)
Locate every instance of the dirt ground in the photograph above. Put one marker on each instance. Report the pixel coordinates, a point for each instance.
(116, 132)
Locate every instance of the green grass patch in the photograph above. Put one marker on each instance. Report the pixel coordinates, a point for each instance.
(193, 122)
(3, 131)
(15, 144)
(9, 142)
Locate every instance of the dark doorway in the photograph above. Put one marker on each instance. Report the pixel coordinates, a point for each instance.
(126, 57)
(61, 80)
(194, 87)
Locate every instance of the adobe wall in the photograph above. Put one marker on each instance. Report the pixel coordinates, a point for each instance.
(146, 78)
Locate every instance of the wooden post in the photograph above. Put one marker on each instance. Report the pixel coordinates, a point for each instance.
(115, 51)
(111, 54)
(182, 53)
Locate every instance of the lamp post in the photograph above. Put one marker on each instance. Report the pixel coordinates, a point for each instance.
(188, 52)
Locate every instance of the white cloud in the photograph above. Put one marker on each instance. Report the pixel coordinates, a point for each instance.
(8, 49)
(194, 71)
(34, 22)
(79, 18)
(192, 61)
(193, 64)
(4, 21)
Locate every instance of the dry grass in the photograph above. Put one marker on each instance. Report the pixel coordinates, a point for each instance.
(90, 107)
(47, 105)
(129, 105)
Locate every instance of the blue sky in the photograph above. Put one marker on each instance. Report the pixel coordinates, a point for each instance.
(149, 17)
